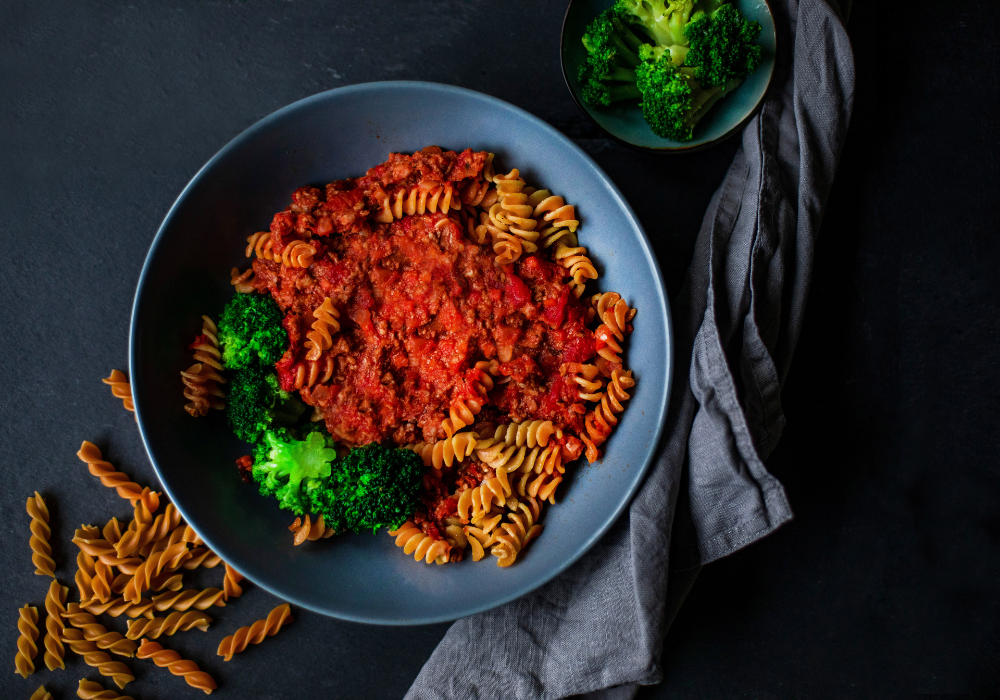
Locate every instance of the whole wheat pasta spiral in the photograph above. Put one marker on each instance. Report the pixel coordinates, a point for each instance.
(92, 656)
(172, 661)
(85, 576)
(169, 625)
(202, 557)
(414, 541)
(120, 388)
(242, 281)
(601, 421)
(320, 338)
(307, 530)
(101, 583)
(231, 583)
(41, 550)
(169, 559)
(55, 606)
(147, 534)
(256, 633)
(27, 650)
(41, 694)
(89, 541)
(103, 470)
(185, 600)
(95, 632)
(119, 606)
(89, 690)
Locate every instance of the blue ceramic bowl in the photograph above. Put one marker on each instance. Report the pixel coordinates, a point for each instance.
(334, 135)
(624, 123)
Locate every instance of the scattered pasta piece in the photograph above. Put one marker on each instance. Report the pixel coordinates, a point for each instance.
(89, 690)
(257, 632)
(119, 606)
(90, 454)
(231, 583)
(120, 388)
(185, 600)
(307, 530)
(172, 661)
(41, 694)
(41, 550)
(93, 631)
(169, 625)
(27, 650)
(202, 557)
(166, 560)
(55, 606)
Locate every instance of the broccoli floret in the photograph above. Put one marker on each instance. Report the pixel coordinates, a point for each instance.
(723, 46)
(662, 20)
(255, 402)
(293, 470)
(373, 487)
(672, 98)
(250, 329)
(608, 75)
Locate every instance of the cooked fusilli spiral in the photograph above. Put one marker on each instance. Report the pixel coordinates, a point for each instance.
(517, 531)
(27, 625)
(311, 373)
(207, 351)
(172, 661)
(306, 530)
(95, 632)
(55, 606)
(428, 196)
(257, 632)
(185, 600)
(201, 389)
(92, 656)
(231, 583)
(320, 338)
(577, 264)
(516, 215)
(169, 559)
(414, 541)
(242, 281)
(41, 550)
(119, 606)
(297, 254)
(260, 243)
(615, 315)
(444, 453)
(41, 694)
(120, 388)
(556, 219)
(90, 454)
(89, 690)
(462, 413)
(174, 622)
(476, 503)
(585, 376)
(601, 421)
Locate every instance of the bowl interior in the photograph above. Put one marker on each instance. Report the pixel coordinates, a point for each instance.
(624, 121)
(330, 136)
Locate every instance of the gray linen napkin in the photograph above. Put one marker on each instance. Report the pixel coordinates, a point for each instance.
(598, 628)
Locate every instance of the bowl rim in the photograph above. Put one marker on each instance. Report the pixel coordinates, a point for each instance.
(663, 403)
(737, 128)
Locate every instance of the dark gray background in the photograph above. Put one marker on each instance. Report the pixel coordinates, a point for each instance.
(888, 581)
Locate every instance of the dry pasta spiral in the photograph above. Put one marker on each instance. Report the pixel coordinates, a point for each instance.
(41, 694)
(256, 633)
(172, 661)
(119, 606)
(601, 421)
(585, 377)
(84, 576)
(27, 626)
(414, 541)
(174, 622)
(95, 632)
(90, 690)
(185, 600)
(578, 266)
(169, 559)
(90, 454)
(202, 557)
(231, 583)
(41, 550)
(444, 453)
(556, 219)
(92, 656)
(120, 388)
(311, 373)
(307, 530)
(242, 281)
(320, 338)
(55, 606)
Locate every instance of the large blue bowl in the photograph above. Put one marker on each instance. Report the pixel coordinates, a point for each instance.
(334, 135)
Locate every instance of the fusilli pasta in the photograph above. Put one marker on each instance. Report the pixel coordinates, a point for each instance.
(601, 421)
(556, 219)
(320, 338)
(311, 373)
(120, 388)
(242, 281)
(428, 196)
(27, 626)
(414, 541)
(89, 690)
(615, 315)
(307, 530)
(91, 455)
(444, 453)
(585, 376)
(185, 600)
(174, 622)
(95, 632)
(55, 606)
(517, 530)
(41, 694)
(41, 550)
(92, 656)
(119, 606)
(231, 583)
(513, 216)
(169, 559)
(295, 253)
(172, 661)
(578, 265)
(255, 633)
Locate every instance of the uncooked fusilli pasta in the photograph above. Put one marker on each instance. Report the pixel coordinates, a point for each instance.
(169, 625)
(89, 690)
(231, 583)
(41, 550)
(102, 469)
(185, 600)
(41, 694)
(172, 661)
(120, 388)
(92, 656)
(255, 633)
(27, 626)
(95, 632)
(55, 606)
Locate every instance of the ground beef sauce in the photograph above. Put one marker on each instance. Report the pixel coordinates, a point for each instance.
(420, 303)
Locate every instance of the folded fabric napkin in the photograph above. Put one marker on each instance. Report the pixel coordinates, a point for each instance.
(598, 628)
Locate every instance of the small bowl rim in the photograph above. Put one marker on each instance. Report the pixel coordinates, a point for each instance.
(738, 127)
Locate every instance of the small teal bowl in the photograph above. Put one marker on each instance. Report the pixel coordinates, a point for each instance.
(624, 122)
(326, 137)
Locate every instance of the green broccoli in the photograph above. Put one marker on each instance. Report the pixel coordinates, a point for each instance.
(662, 20)
(255, 402)
(673, 100)
(608, 74)
(250, 329)
(373, 487)
(723, 46)
(293, 470)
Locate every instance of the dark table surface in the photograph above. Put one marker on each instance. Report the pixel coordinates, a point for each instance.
(887, 582)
